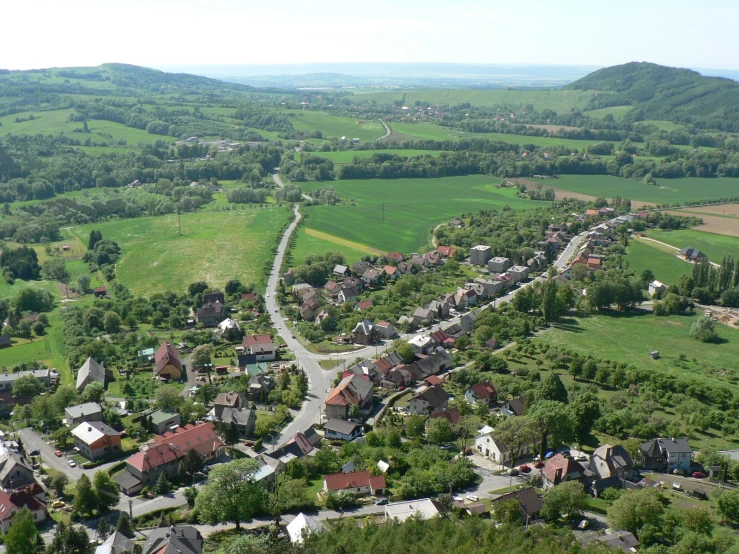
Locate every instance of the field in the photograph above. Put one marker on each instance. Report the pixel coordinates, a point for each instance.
(631, 336)
(309, 241)
(214, 247)
(669, 190)
(347, 156)
(407, 223)
(666, 267)
(721, 210)
(557, 100)
(616, 111)
(337, 126)
(712, 245)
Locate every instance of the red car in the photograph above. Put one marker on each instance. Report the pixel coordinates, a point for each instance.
(58, 453)
(539, 465)
(524, 468)
(699, 475)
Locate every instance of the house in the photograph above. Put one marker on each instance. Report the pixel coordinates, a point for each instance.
(89, 411)
(428, 400)
(528, 501)
(31, 497)
(361, 483)
(419, 262)
(213, 297)
(353, 390)
(560, 468)
(465, 298)
(167, 362)
(342, 430)
(163, 421)
(5, 341)
(251, 340)
(490, 287)
(440, 338)
(498, 264)
(347, 293)
(301, 445)
(288, 277)
(458, 223)
(210, 314)
(302, 526)
(467, 322)
(244, 418)
(480, 254)
(358, 268)
(248, 297)
(436, 362)
(386, 362)
(341, 270)
(497, 451)
(228, 400)
(391, 271)
(15, 471)
(260, 385)
(363, 305)
(365, 368)
(691, 254)
(90, 372)
(174, 540)
(100, 292)
(423, 508)
(657, 288)
(8, 402)
(622, 541)
(364, 333)
(395, 257)
(95, 440)
(385, 329)
(145, 356)
(483, 393)
(117, 543)
(264, 352)
(423, 316)
(309, 309)
(227, 325)
(611, 461)
(433, 258)
(446, 251)
(452, 415)
(420, 344)
(163, 453)
(667, 454)
(518, 273)
(515, 406)
(370, 277)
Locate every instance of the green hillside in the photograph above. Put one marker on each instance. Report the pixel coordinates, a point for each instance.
(664, 93)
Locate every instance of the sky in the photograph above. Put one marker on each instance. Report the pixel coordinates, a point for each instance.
(156, 33)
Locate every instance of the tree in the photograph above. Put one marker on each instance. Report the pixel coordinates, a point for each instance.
(191, 493)
(39, 329)
(439, 431)
(507, 512)
(727, 504)
(231, 433)
(326, 460)
(83, 283)
(584, 411)
(567, 499)
(69, 540)
(191, 463)
(201, 356)
(112, 322)
(61, 436)
(516, 433)
(107, 492)
(162, 486)
(231, 494)
(103, 529)
(414, 426)
(704, 330)
(55, 269)
(553, 421)
(93, 392)
(95, 237)
(552, 388)
(27, 385)
(84, 500)
(59, 482)
(167, 398)
(22, 537)
(404, 350)
(636, 509)
(124, 525)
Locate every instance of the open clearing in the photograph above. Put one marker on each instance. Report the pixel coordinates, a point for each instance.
(309, 242)
(666, 266)
(337, 126)
(616, 111)
(630, 336)
(713, 245)
(714, 224)
(215, 247)
(407, 223)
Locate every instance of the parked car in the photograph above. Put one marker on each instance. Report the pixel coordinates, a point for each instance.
(58, 453)
(525, 468)
(513, 472)
(473, 498)
(381, 502)
(447, 446)
(539, 464)
(676, 486)
(583, 524)
(58, 504)
(34, 452)
(699, 475)
(72, 463)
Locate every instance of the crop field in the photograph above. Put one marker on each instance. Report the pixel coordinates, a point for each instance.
(407, 222)
(616, 111)
(337, 126)
(721, 210)
(712, 245)
(347, 156)
(557, 100)
(629, 338)
(666, 267)
(309, 241)
(669, 190)
(214, 247)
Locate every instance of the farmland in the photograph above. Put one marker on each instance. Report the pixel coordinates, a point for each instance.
(214, 247)
(337, 126)
(308, 241)
(347, 156)
(666, 267)
(407, 225)
(712, 245)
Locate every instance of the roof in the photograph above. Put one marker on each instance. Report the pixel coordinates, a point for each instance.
(527, 498)
(262, 348)
(517, 405)
(561, 462)
(174, 540)
(239, 416)
(433, 363)
(340, 269)
(165, 355)
(126, 480)
(452, 415)
(341, 426)
(160, 416)
(363, 327)
(4, 340)
(364, 304)
(18, 499)
(353, 480)
(250, 340)
(263, 472)
(117, 543)
(351, 390)
(200, 437)
(9, 460)
(620, 540)
(84, 410)
(301, 526)
(90, 369)
(483, 391)
(385, 324)
(675, 446)
(424, 508)
(616, 459)
(89, 432)
(229, 399)
(434, 395)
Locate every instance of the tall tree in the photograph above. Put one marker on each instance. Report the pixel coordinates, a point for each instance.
(22, 537)
(191, 463)
(84, 499)
(633, 511)
(553, 421)
(516, 433)
(107, 492)
(552, 388)
(565, 500)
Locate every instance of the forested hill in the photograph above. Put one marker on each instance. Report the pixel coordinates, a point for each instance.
(665, 93)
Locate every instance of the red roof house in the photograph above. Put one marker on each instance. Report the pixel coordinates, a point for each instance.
(361, 483)
(167, 363)
(561, 468)
(251, 340)
(481, 392)
(447, 251)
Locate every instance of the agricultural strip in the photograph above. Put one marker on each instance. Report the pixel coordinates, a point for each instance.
(666, 266)
(309, 242)
(713, 245)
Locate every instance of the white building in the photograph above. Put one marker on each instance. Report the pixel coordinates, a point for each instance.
(301, 527)
(499, 453)
(227, 324)
(424, 508)
(656, 287)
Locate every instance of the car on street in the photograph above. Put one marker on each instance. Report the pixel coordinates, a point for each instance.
(72, 463)
(583, 524)
(381, 502)
(458, 499)
(512, 472)
(525, 468)
(473, 498)
(58, 453)
(34, 452)
(699, 475)
(267, 295)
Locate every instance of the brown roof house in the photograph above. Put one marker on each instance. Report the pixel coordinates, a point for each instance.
(353, 390)
(361, 483)
(528, 501)
(561, 468)
(428, 400)
(90, 372)
(32, 497)
(167, 362)
(224, 400)
(483, 393)
(364, 333)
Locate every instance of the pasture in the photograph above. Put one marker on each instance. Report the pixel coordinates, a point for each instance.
(616, 111)
(407, 222)
(337, 126)
(347, 156)
(308, 242)
(214, 247)
(666, 267)
(629, 337)
(712, 245)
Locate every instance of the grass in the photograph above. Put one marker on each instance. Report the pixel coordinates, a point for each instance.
(214, 247)
(669, 190)
(629, 337)
(347, 156)
(616, 111)
(307, 244)
(337, 126)
(712, 245)
(407, 223)
(666, 266)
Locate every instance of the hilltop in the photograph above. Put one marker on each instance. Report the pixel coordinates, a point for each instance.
(664, 93)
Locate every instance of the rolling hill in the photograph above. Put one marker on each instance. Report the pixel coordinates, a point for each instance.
(664, 93)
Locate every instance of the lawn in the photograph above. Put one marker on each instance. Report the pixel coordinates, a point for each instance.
(347, 156)
(712, 245)
(629, 337)
(407, 223)
(669, 190)
(308, 244)
(214, 247)
(666, 266)
(616, 111)
(337, 126)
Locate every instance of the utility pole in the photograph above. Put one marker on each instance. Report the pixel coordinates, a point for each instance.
(383, 212)
(179, 222)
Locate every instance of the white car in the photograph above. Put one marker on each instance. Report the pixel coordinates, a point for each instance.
(72, 463)
(267, 295)
(458, 499)
(473, 498)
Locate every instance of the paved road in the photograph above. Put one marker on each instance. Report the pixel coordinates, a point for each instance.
(281, 184)
(388, 131)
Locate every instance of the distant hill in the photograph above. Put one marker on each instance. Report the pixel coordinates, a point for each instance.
(667, 93)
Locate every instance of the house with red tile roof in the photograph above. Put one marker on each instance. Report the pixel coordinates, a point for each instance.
(561, 468)
(32, 497)
(364, 305)
(483, 393)
(452, 415)
(446, 251)
(361, 483)
(395, 256)
(391, 271)
(167, 362)
(354, 390)
(251, 340)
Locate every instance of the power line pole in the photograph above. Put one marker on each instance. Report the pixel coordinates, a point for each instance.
(383, 212)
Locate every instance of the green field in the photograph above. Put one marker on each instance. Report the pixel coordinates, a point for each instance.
(557, 100)
(347, 156)
(616, 111)
(337, 126)
(408, 222)
(666, 267)
(631, 336)
(215, 247)
(669, 190)
(712, 245)
(306, 245)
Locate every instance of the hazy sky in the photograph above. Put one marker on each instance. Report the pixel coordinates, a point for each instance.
(47, 33)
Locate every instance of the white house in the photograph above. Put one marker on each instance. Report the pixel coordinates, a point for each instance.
(227, 324)
(420, 344)
(301, 527)
(424, 508)
(656, 287)
(499, 453)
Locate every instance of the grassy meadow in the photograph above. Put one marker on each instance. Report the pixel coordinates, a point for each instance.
(712, 245)
(347, 156)
(214, 247)
(337, 126)
(308, 241)
(408, 223)
(666, 267)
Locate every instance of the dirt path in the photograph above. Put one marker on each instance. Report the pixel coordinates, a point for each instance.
(671, 248)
